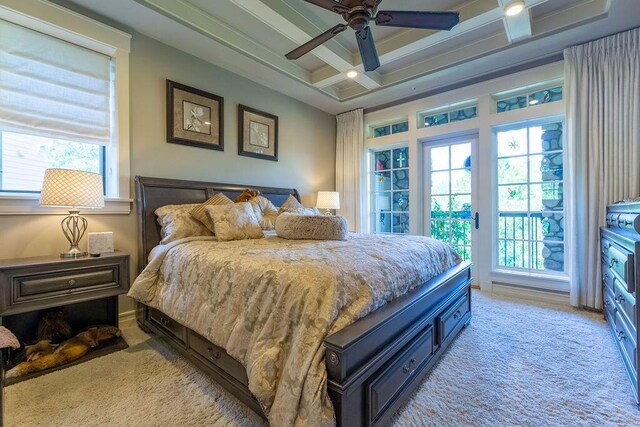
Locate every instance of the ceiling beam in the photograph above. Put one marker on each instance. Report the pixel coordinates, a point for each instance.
(185, 13)
(288, 22)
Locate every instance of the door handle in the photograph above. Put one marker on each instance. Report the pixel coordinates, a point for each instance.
(476, 219)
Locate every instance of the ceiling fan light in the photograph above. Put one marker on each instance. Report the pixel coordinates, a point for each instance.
(352, 74)
(514, 8)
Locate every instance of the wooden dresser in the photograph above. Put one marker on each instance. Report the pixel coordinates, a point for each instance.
(620, 249)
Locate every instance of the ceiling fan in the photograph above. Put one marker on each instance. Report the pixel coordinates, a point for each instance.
(358, 14)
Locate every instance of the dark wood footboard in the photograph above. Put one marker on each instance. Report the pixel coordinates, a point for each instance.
(374, 364)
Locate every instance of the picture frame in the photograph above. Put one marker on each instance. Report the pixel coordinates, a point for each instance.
(257, 134)
(194, 117)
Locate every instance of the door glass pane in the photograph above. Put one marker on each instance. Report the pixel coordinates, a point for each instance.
(531, 219)
(401, 179)
(383, 160)
(450, 178)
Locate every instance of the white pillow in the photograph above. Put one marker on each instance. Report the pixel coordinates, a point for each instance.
(177, 223)
(234, 222)
(265, 211)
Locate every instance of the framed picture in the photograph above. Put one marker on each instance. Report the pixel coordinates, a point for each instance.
(257, 134)
(194, 117)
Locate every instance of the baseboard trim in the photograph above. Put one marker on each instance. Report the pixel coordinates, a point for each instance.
(127, 318)
(523, 292)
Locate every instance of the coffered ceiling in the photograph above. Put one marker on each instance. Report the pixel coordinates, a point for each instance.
(251, 37)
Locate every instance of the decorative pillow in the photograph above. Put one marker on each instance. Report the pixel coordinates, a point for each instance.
(200, 213)
(265, 211)
(234, 222)
(318, 227)
(290, 204)
(247, 195)
(177, 223)
(304, 211)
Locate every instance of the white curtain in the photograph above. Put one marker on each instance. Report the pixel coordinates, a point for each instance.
(602, 81)
(53, 88)
(350, 167)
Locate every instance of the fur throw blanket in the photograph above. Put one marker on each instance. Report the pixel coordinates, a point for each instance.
(315, 227)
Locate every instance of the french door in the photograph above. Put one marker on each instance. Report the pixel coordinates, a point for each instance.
(450, 193)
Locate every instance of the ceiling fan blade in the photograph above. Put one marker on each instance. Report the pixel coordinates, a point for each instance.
(330, 5)
(315, 42)
(371, 3)
(367, 49)
(427, 20)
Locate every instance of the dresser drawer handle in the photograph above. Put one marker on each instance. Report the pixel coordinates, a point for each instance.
(164, 321)
(213, 353)
(457, 314)
(620, 298)
(605, 276)
(612, 261)
(410, 367)
(72, 282)
(621, 336)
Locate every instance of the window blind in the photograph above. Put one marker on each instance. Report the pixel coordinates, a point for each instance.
(50, 87)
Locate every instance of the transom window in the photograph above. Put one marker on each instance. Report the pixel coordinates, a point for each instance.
(529, 99)
(531, 207)
(391, 129)
(389, 176)
(449, 116)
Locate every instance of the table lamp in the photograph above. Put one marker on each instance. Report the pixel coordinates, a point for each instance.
(72, 189)
(328, 200)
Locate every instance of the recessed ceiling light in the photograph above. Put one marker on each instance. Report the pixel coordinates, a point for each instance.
(514, 8)
(352, 74)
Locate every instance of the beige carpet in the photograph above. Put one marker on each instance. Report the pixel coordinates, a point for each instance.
(516, 364)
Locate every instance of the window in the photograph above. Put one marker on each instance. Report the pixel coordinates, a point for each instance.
(531, 207)
(55, 105)
(524, 100)
(391, 129)
(449, 116)
(390, 196)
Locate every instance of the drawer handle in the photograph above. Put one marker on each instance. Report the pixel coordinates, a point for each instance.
(621, 336)
(72, 282)
(605, 276)
(612, 261)
(213, 353)
(164, 321)
(410, 367)
(606, 303)
(620, 298)
(457, 315)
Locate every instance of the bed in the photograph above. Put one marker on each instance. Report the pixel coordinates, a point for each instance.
(367, 363)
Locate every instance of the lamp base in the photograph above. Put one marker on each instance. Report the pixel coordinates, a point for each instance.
(74, 253)
(328, 212)
(73, 228)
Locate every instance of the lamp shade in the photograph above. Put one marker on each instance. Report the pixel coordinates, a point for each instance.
(72, 189)
(328, 200)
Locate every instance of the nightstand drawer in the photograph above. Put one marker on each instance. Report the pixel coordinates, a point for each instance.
(48, 285)
(38, 283)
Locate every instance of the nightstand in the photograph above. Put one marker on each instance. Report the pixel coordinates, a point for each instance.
(85, 289)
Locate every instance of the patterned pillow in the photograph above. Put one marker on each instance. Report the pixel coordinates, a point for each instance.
(234, 222)
(265, 211)
(200, 213)
(304, 211)
(290, 204)
(177, 223)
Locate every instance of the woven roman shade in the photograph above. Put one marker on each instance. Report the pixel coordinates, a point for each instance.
(52, 88)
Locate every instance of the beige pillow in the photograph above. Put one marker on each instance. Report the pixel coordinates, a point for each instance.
(265, 211)
(177, 223)
(234, 222)
(200, 213)
(290, 204)
(304, 211)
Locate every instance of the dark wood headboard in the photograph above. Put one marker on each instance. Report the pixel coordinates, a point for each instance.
(152, 193)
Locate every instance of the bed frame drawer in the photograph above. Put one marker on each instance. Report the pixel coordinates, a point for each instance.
(453, 319)
(621, 264)
(392, 378)
(218, 357)
(165, 322)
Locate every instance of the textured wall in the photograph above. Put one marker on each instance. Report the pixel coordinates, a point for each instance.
(306, 147)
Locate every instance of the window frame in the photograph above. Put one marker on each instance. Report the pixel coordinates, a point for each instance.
(56, 21)
(533, 273)
(372, 212)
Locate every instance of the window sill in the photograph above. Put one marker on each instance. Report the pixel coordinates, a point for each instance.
(554, 282)
(28, 204)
